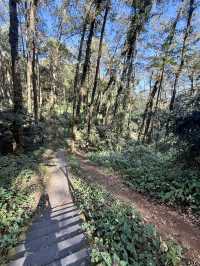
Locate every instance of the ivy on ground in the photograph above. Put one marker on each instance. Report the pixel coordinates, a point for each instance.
(159, 175)
(16, 198)
(117, 233)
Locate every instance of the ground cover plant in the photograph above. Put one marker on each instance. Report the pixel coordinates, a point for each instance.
(17, 196)
(160, 175)
(117, 234)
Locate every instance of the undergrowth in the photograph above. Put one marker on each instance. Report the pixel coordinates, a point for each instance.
(159, 175)
(16, 197)
(117, 234)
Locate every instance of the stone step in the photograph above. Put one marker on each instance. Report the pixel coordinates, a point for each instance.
(37, 244)
(61, 207)
(52, 227)
(54, 252)
(42, 221)
(79, 258)
(55, 210)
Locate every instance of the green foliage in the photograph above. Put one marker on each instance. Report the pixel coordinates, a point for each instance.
(14, 168)
(185, 125)
(155, 173)
(16, 197)
(15, 209)
(117, 234)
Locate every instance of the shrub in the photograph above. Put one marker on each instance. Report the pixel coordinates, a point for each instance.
(185, 125)
(157, 174)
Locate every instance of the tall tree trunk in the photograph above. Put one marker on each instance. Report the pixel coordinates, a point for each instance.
(97, 67)
(191, 78)
(17, 88)
(53, 68)
(76, 77)
(148, 113)
(29, 72)
(39, 86)
(138, 19)
(34, 82)
(98, 103)
(77, 97)
(21, 34)
(31, 58)
(182, 59)
(86, 67)
(110, 82)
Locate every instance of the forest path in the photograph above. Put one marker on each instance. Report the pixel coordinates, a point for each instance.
(168, 221)
(55, 237)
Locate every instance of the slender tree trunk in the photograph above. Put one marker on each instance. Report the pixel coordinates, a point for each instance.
(17, 88)
(100, 51)
(38, 86)
(191, 77)
(116, 105)
(22, 38)
(31, 58)
(145, 111)
(148, 110)
(110, 82)
(148, 113)
(149, 134)
(97, 67)
(86, 67)
(53, 85)
(135, 28)
(76, 77)
(98, 103)
(182, 60)
(29, 15)
(29, 86)
(34, 82)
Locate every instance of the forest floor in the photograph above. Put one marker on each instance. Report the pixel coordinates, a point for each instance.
(170, 223)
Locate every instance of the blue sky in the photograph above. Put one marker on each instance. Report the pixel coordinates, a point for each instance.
(162, 14)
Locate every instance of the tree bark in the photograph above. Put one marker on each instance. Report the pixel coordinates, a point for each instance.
(76, 77)
(86, 67)
(97, 67)
(34, 81)
(17, 88)
(31, 58)
(29, 55)
(148, 113)
(182, 60)
(138, 20)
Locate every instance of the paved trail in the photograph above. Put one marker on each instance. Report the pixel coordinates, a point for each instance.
(55, 237)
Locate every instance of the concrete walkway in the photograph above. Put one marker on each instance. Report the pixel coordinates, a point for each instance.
(55, 237)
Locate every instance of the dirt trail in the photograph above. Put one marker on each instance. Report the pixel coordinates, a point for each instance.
(168, 222)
